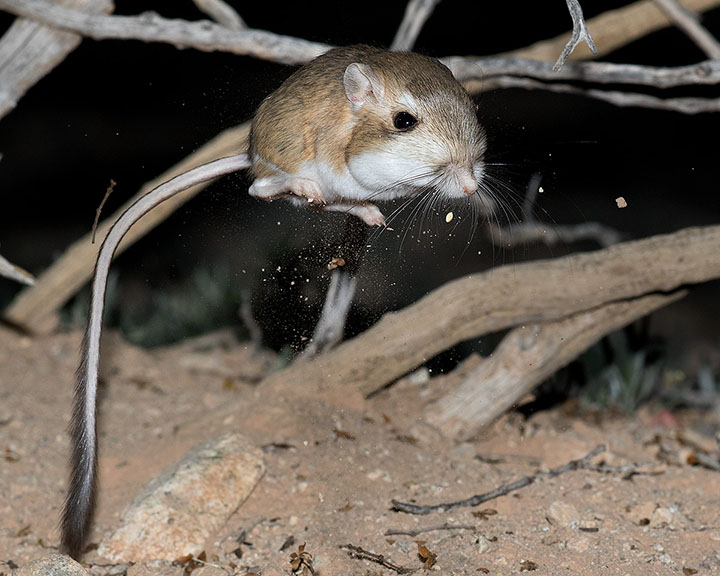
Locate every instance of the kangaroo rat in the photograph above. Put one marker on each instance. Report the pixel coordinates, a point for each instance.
(360, 124)
(355, 125)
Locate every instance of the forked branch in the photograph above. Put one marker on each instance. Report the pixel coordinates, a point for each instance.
(579, 34)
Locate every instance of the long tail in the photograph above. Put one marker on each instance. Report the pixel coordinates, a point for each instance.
(80, 499)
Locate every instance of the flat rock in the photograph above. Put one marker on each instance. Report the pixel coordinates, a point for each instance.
(181, 508)
(53, 565)
(562, 514)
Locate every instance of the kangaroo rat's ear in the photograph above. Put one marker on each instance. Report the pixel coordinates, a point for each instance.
(362, 84)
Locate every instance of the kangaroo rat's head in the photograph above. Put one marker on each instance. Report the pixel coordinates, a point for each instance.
(414, 127)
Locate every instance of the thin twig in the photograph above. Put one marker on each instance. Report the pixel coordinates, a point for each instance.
(246, 315)
(504, 458)
(401, 532)
(331, 324)
(108, 191)
(685, 105)
(579, 34)
(531, 192)
(502, 490)
(357, 552)
(10, 270)
(222, 13)
(707, 461)
(533, 230)
(416, 14)
(484, 69)
(627, 471)
(551, 234)
(689, 24)
(612, 30)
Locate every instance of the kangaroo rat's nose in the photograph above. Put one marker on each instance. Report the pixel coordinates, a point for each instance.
(470, 187)
(467, 181)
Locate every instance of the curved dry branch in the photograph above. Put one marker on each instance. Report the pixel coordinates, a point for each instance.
(613, 29)
(510, 296)
(525, 358)
(482, 70)
(222, 13)
(35, 308)
(150, 27)
(533, 231)
(687, 105)
(416, 14)
(10, 270)
(688, 23)
(29, 50)
(478, 73)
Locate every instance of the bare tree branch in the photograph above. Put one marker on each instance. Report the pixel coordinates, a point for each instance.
(29, 50)
(150, 27)
(613, 29)
(9, 270)
(291, 50)
(35, 308)
(553, 234)
(689, 24)
(478, 73)
(478, 69)
(489, 72)
(527, 356)
(246, 315)
(222, 13)
(687, 105)
(579, 34)
(416, 14)
(580, 464)
(532, 230)
(508, 296)
(329, 329)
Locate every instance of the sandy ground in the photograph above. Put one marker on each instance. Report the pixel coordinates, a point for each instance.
(334, 465)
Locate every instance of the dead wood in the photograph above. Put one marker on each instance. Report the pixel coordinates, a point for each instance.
(361, 554)
(35, 308)
(14, 272)
(502, 490)
(509, 296)
(29, 50)
(526, 357)
(413, 533)
(689, 23)
(32, 43)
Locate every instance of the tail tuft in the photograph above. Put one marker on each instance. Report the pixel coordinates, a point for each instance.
(80, 500)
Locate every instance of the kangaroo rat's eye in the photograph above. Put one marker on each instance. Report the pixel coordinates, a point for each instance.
(404, 120)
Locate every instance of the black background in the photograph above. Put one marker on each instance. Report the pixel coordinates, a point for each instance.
(128, 110)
